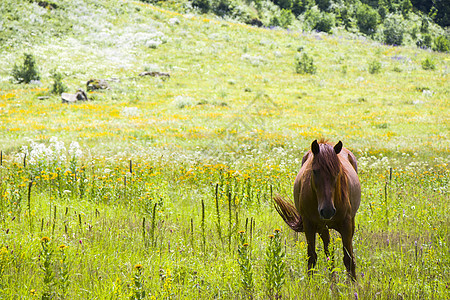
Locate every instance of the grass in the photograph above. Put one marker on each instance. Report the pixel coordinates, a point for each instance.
(247, 122)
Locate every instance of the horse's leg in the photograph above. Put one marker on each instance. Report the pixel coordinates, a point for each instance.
(310, 233)
(325, 236)
(347, 236)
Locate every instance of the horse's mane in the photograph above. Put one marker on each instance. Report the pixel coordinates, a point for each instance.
(328, 161)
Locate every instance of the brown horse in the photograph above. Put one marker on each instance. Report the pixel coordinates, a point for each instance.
(327, 195)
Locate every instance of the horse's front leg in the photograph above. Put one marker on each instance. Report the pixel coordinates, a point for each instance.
(347, 237)
(310, 233)
(325, 236)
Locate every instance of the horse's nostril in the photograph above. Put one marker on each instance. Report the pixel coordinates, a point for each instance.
(327, 213)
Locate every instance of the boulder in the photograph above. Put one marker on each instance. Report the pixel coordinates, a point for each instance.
(72, 98)
(96, 84)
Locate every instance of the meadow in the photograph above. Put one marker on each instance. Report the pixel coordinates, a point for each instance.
(152, 188)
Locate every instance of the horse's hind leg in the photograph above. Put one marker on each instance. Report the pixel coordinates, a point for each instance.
(349, 259)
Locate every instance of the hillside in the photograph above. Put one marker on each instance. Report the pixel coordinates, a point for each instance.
(218, 69)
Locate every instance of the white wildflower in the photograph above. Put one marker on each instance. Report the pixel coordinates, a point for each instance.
(130, 111)
(75, 150)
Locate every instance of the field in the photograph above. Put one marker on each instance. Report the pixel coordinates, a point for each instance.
(152, 188)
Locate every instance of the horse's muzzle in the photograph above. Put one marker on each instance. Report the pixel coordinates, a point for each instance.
(327, 213)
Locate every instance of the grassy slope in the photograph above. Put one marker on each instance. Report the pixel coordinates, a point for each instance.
(215, 62)
(268, 107)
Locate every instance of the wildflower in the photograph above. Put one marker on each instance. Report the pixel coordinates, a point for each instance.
(245, 244)
(271, 236)
(75, 150)
(62, 247)
(138, 267)
(241, 232)
(33, 292)
(277, 230)
(45, 239)
(3, 253)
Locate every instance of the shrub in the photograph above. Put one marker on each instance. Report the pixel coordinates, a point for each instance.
(428, 64)
(305, 65)
(367, 19)
(283, 4)
(223, 7)
(312, 16)
(58, 86)
(318, 20)
(425, 41)
(374, 67)
(394, 29)
(203, 5)
(26, 72)
(441, 44)
(323, 4)
(325, 23)
(284, 20)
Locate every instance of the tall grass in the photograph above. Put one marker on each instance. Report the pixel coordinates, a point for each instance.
(102, 234)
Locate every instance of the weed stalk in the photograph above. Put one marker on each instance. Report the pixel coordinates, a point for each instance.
(245, 266)
(275, 267)
(152, 233)
(219, 228)
(203, 226)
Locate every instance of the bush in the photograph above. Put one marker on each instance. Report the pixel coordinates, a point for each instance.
(394, 29)
(284, 20)
(58, 86)
(318, 20)
(428, 64)
(305, 65)
(283, 4)
(425, 41)
(367, 19)
(374, 67)
(203, 5)
(441, 44)
(325, 23)
(26, 72)
(223, 7)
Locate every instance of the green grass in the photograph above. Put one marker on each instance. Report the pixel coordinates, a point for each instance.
(234, 113)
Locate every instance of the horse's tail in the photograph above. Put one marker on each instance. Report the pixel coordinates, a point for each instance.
(289, 213)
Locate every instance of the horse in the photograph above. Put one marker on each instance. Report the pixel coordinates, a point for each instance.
(327, 194)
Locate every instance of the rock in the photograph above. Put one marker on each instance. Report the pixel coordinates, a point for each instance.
(72, 98)
(96, 84)
(155, 74)
(68, 98)
(81, 95)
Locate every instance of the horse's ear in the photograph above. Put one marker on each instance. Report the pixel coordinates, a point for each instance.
(315, 147)
(338, 147)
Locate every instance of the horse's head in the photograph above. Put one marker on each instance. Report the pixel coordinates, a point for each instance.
(325, 176)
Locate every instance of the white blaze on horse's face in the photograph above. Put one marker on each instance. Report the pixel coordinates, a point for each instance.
(324, 179)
